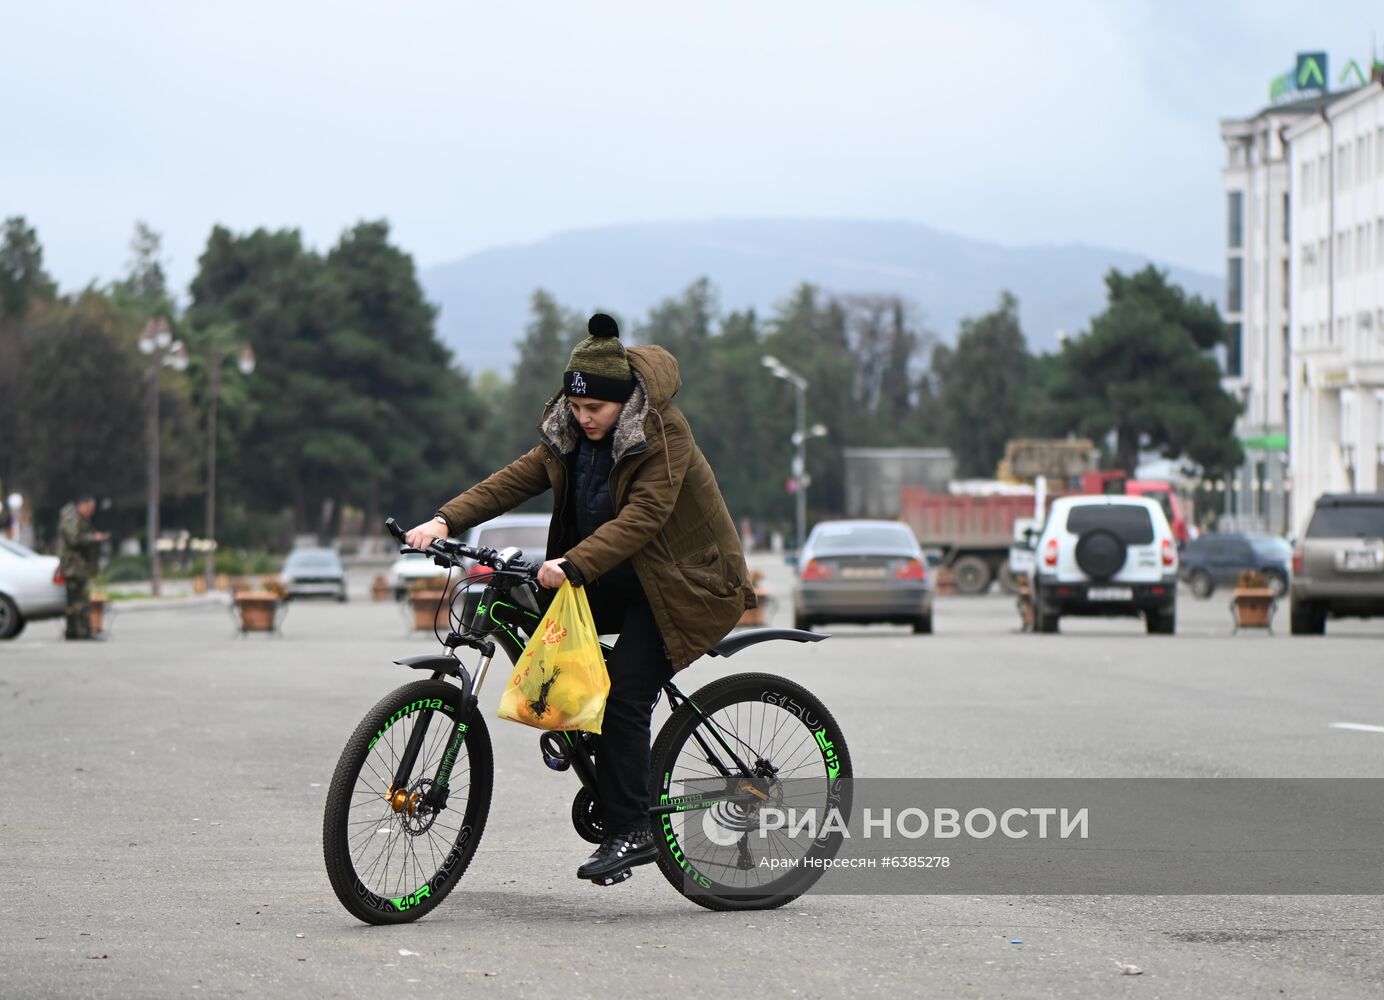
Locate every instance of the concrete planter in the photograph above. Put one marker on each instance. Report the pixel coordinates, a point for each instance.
(97, 613)
(258, 610)
(1253, 607)
(757, 617)
(430, 610)
(1024, 601)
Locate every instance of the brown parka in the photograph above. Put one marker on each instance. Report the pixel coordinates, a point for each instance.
(670, 519)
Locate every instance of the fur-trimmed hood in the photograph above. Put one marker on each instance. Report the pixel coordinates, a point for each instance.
(670, 520)
(656, 382)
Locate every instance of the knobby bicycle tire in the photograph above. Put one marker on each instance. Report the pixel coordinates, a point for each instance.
(389, 866)
(763, 717)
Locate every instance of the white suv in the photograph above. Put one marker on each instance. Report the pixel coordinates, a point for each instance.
(1105, 555)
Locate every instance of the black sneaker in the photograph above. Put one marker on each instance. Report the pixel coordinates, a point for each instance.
(617, 853)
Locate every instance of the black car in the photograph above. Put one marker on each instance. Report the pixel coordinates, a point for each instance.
(1217, 560)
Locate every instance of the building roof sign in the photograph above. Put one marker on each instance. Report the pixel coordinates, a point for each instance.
(1354, 71)
(1309, 74)
(1309, 77)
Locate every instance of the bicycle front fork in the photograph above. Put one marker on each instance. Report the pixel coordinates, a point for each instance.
(435, 796)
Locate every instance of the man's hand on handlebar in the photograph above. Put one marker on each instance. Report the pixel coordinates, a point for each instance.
(423, 535)
(550, 574)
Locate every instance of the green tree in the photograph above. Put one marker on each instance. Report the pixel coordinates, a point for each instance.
(683, 326)
(1146, 373)
(1042, 414)
(354, 402)
(23, 281)
(897, 385)
(24, 288)
(493, 431)
(728, 417)
(302, 446)
(145, 281)
(422, 415)
(86, 399)
(884, 342)
(543, 353)
(982, 384)
(808, 334)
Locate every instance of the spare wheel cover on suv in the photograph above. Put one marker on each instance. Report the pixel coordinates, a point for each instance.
(1100, 554)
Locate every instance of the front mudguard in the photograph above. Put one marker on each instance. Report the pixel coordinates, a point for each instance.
(449, 666)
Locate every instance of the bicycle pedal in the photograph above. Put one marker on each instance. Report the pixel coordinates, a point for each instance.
(618, 877)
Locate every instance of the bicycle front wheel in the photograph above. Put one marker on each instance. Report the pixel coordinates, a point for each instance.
(394, 845)
(720, 856)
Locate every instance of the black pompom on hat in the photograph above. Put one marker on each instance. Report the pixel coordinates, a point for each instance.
(600, 325)
(599, 367)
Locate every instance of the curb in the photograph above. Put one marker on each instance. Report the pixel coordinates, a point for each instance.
(167, 603)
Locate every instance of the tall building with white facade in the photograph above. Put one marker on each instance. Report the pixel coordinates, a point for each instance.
(1258, 290)
(1336, 404)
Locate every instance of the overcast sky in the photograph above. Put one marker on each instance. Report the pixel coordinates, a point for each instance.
(471, 124)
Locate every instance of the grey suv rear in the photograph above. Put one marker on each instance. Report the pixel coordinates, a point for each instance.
(1338, 569)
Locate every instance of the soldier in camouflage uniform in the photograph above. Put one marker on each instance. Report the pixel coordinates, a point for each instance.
(79, 550)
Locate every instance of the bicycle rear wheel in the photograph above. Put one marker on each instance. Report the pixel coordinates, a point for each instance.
(393, 853)
(717, 856)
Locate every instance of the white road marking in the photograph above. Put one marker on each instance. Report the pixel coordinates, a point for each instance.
(1358, 727)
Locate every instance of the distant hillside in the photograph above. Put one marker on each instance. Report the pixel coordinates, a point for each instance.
(628, 269)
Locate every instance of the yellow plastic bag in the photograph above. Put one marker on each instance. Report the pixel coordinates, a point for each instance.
(560, 681)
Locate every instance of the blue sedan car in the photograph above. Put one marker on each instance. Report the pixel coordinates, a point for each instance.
(1217, 560)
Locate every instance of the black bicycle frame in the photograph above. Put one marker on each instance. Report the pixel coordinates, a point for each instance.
(500, 618)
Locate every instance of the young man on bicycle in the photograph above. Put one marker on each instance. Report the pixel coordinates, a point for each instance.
(639, 520)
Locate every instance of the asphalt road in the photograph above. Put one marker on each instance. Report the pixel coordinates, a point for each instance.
(161, 798)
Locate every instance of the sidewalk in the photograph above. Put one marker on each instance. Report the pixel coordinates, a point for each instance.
(134, 595)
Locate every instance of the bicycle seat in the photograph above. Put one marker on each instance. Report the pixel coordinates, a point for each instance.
(732, 644)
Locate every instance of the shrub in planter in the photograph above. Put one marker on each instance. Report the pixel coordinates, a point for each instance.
(124, 569)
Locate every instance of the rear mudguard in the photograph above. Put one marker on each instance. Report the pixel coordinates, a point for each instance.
(731, 645)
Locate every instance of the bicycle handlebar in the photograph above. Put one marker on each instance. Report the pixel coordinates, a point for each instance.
(453, 552)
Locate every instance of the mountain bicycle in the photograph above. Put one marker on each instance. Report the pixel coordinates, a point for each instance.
(410, 795)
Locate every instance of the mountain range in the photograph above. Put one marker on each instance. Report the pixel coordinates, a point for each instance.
(627, 269)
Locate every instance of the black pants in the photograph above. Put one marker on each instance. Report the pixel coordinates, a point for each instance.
(639, 667)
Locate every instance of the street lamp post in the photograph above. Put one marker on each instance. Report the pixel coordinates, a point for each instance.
(215, 358)
(157, 342)
(801, 434)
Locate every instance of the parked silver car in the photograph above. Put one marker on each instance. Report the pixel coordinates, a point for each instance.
(314, 573)
(30, 588)
(1338, 569)
(863, 571)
